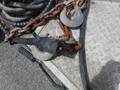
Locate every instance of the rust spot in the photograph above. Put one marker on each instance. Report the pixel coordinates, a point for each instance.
(119, 5)
(93, 2)
(77, 47)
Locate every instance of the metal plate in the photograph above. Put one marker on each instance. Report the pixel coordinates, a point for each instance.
(77, 18)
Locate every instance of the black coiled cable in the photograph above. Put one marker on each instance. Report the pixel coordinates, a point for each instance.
(19, 12)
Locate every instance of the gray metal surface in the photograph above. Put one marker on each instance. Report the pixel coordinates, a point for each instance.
(103, 45)
(109, 0)
(102, 48)
(18, 73)
(69, 66)
(75, 20)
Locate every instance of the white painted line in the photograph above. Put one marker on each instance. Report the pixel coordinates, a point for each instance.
(119, 86)
(63, 79)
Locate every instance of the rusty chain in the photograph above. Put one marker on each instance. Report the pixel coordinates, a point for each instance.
(40, 20)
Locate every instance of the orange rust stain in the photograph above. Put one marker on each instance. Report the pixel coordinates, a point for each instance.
(93, 2)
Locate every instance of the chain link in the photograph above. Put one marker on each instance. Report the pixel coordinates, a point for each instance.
(40, 20)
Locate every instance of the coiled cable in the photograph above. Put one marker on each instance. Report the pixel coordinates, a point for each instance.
(19, 12)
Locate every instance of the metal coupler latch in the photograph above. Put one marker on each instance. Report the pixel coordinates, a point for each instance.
(45, 44)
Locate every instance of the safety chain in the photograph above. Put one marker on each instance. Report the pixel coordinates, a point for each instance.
(30, 27)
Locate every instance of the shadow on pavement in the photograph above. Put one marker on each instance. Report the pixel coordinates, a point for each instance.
(108, 78)
(2, 36)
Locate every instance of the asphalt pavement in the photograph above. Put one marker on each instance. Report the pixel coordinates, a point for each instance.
(18, 73)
